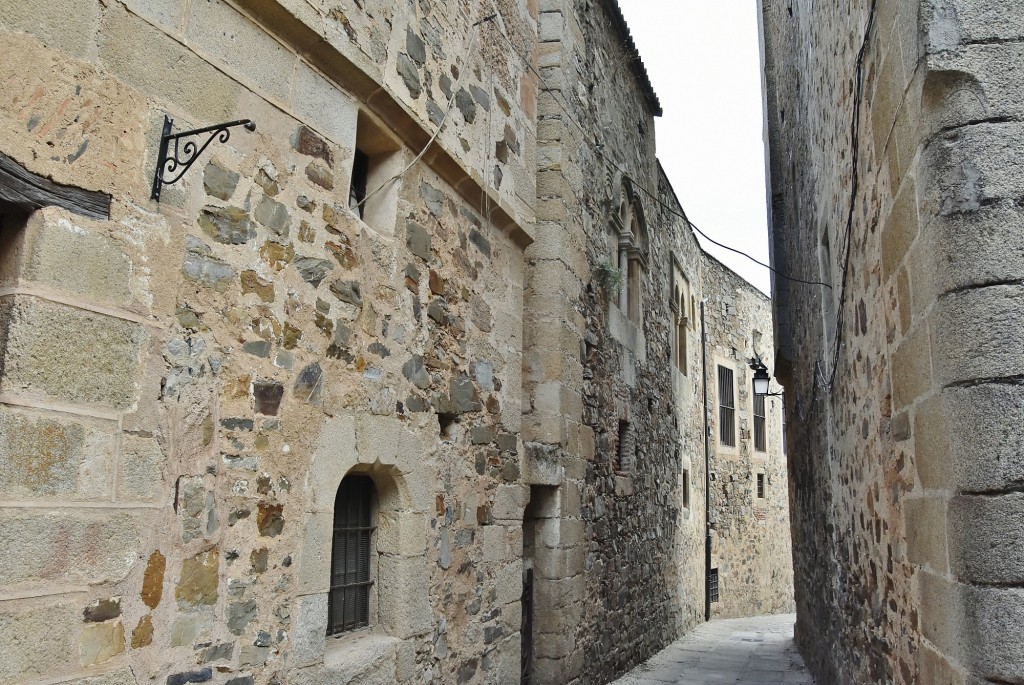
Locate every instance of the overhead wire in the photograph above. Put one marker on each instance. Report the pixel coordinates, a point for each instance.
(653, 196)
(854, 188)
(444, 118)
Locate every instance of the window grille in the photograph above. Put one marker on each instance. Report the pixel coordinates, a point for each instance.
(726, 407)
(760, 486)
(760, 437)
(785, 446)
(713, 584)
(686, 488)
(624, 457)
(349, 605)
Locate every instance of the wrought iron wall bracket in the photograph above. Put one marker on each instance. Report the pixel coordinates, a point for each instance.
(171, 165)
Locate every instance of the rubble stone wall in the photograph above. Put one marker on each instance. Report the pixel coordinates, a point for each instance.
(905, 470)
(185, 384)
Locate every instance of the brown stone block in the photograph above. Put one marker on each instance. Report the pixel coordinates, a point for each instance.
(246, 50)
(901, 227)
(984, 538)
(991, 633)
(76, 256)
(153, 580)
(54, 351)
(885, 100)
(933, 447)
(938, 669)
(941, 609)
(912, 368)
(38, 640)
(151, 61)
(977, 334)
(47, 547)
(71, 24)
(925, 520)
(47, 455)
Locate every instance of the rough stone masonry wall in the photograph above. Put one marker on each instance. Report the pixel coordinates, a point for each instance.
(750, 545)
(183, 387)
(632, 578)
(619, 602)
(906, 476)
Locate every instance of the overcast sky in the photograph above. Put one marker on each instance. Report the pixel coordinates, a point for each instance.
(703, 57)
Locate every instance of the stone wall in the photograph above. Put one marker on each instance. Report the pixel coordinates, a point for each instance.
(749, 546)
(905, 470)
(184, 385)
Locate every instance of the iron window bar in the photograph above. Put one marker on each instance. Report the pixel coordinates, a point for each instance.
(726, 407)
(348, 607)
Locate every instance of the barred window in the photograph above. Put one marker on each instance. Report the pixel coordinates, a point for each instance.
(686, 488)
(351, 559)
(760, 486)
(627, 447)
(726, 407)
(760, 437)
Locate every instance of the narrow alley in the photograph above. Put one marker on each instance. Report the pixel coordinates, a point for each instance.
(744, 651)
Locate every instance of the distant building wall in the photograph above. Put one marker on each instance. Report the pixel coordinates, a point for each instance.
(905, 471)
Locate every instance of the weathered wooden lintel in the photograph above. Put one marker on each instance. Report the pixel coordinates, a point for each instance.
(30, 191)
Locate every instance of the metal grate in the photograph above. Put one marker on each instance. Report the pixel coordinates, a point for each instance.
(626, 449)
(760, 438)
(760, 486)
(713, 584)
(349, 605)
(726, 407)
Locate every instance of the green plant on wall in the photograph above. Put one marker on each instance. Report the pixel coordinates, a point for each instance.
(610, 277)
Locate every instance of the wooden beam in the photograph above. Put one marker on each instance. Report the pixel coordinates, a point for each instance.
(21, 187)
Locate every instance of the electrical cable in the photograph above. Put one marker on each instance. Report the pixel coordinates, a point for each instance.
(668, 208)
(854, 188)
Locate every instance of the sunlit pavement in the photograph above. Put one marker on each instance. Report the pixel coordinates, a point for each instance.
(743, 651)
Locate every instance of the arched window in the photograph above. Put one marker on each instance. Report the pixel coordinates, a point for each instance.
(632, 254)
(352, 556)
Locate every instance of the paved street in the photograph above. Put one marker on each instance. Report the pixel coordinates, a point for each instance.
(745, 651)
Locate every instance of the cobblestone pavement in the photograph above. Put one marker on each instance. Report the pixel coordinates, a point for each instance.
(743, 651)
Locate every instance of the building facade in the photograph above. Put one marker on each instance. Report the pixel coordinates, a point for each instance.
(894, 136)
(405, 385)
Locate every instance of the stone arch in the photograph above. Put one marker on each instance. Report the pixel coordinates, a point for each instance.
(384, 449)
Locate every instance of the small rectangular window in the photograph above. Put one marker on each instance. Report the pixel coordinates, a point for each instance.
(357, 187)
(785, 446)
(726, 407)
(713, 585)
(760, 436)
(760, 486)
(624, 456)
(686, 488)
(373, 186)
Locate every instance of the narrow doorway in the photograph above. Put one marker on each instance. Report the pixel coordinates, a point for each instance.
(540, 511)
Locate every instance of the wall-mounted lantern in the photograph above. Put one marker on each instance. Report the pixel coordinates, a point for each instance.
(170, 168)
(762, 379)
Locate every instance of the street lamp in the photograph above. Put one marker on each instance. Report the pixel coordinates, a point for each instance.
(761, 379)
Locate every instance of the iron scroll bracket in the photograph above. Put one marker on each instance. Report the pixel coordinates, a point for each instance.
(171, 165)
